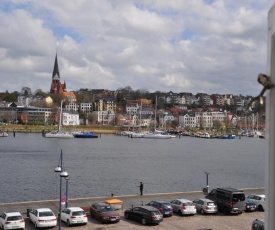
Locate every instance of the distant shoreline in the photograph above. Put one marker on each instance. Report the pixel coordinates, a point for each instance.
(39, 129)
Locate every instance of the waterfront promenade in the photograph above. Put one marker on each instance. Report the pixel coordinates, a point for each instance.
(219, 221)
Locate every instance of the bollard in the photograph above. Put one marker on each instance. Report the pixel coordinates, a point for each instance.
(142, 202)
(132, 205)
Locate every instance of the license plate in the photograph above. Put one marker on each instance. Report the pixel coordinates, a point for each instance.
(166, 213)
(113, 219)
(48, 220)
(15, 226)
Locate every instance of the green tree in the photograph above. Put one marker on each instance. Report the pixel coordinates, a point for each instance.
(40, 93)
(26, 91)
(11, 97)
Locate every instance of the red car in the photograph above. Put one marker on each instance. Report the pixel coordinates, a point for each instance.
(104, 213)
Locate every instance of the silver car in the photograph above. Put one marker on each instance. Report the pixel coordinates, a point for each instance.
(183, 207)
(205, 206)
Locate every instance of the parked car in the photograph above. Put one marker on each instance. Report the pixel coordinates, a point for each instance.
(74, 215)
(104, 212)
(259, 200)
(250, 205)
(205, 206)
(183, 207)
(11, 220)
(228, 199)
(43, 217)
(145, 214)
(164, 207)
(257, 224)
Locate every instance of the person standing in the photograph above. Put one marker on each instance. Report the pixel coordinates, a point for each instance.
(141, 188)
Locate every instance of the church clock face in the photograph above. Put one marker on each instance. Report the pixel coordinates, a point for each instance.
(56, 77)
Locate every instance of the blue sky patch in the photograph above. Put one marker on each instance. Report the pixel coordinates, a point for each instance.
(187, 34)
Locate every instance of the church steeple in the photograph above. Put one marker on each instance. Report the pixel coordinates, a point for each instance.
(55, 76)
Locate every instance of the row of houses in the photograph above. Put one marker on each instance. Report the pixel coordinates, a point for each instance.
(136, 115)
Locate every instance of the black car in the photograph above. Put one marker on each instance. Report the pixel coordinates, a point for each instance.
(163, 206)
(145, 214)
(250, 205)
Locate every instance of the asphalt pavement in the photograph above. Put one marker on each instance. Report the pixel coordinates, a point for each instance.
(198, 221)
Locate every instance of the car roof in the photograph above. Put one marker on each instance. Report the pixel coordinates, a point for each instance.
(161, 201)
(184, 200)
(229, 189)
(43, 209)
(75, 209)
(101, 204)
(13, 213)
(263, 196)
(147, 207)
(205, 200)
(259, 220)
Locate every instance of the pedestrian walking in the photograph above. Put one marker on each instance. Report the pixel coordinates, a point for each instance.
(141, 188)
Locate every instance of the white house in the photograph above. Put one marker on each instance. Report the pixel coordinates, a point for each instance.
(70, 119)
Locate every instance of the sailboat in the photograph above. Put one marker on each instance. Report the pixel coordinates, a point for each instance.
(156, 134)
(138, 134)
(59, 133)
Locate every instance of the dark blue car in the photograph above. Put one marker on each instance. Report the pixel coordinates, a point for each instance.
(163, 206)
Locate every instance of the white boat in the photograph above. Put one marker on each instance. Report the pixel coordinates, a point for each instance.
(137, 135)
(3, 134)
(59, 133)
(157, 134)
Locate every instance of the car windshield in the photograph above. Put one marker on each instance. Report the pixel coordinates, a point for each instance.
(238, 197)
(107, 209)
(165, 205)
(79, 213)
(12, 218)
(41, 214)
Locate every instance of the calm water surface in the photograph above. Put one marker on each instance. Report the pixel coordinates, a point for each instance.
(116, 164)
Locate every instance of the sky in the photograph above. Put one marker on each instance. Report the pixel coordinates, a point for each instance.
(195, 46)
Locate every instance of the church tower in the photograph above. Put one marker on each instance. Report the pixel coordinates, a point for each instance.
(56, 86)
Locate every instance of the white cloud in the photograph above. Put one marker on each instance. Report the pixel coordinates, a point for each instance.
(155, 45)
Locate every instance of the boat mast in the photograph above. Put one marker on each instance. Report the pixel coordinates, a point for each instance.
(60, 117)
(156, 113)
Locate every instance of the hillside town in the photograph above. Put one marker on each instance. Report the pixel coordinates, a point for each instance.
(128, 109)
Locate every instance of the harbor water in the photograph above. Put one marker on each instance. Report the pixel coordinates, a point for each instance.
(117, 164)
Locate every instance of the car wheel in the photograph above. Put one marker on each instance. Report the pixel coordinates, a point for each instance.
(143, 221)
(68, 223)
(126, 215)
(179, 212)
(260, 208)
(101, 220)
(202, 211)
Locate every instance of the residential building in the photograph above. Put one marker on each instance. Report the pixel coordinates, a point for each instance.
(70, 119)
(187, 120)
(104, 117)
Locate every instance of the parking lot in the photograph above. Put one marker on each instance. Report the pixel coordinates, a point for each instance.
(196, 222)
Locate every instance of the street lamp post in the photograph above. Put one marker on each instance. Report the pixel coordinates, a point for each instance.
(207, 184)
(67, 181)
(60, 169)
